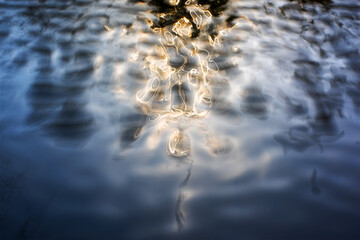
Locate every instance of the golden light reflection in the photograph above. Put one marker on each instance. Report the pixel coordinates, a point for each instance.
(176, 48)
(179, 144)
(183, 27)
(180, 78)
(179, 66)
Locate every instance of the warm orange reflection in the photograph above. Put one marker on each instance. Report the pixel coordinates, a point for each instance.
(179, 68)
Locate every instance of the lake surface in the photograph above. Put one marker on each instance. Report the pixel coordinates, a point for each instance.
(179, 120)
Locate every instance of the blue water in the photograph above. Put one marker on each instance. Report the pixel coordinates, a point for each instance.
(146, 120)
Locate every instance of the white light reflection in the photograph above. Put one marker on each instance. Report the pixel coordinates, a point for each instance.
(178, 88)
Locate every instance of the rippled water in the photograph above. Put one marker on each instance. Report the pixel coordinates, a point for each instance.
(179, 120)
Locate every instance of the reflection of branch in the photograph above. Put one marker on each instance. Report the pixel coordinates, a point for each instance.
(174, 14)
(9, 182)
(8, 185)
(179, 212)
(32, 223)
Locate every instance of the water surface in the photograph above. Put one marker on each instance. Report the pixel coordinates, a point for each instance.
(179, 120)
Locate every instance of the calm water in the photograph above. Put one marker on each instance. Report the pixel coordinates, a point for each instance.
(179, 120)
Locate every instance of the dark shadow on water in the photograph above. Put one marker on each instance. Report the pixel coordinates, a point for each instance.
(56, 97)
(254, 103)
(327, 94)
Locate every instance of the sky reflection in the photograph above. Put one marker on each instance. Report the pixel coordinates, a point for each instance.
(159, 119)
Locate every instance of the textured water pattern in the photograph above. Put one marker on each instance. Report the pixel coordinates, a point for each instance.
(179, 120)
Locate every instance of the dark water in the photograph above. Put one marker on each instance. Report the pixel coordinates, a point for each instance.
(179, 120)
